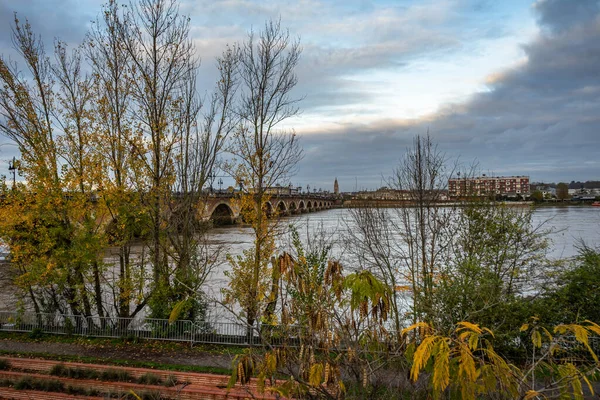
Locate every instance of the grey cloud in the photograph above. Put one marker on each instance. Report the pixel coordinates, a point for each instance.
(559, 15)
(541, 118)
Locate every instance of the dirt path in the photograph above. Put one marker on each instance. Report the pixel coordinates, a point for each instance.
(180, 356)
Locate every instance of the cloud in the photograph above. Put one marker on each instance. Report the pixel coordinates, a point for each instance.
(560, 15)
(541, 117)
(537, 112)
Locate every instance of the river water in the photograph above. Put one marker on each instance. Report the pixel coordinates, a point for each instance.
(568, 225)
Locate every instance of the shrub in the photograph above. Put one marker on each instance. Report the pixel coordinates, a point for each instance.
(76, 373)
(58, 370)
(81, 391)
(49, 385)
(45, 385)
(25, 383)
(116, 375)
(36, 333)
(4, 364)
(170, 381)
(5, 382)
(150, 379)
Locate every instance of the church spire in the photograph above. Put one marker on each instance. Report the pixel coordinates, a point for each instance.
(336, 187)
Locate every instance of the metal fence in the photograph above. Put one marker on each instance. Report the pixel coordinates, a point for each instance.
(228, 333)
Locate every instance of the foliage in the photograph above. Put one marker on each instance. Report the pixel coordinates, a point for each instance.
(119, 153)
(497, 254)
(562, 191)
(465, 364)
(576, 291)
(537, 196)
(335, 321)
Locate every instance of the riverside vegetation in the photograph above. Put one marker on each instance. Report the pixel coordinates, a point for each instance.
(454, 302)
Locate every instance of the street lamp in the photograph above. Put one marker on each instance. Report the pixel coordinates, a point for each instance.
(211, 178)
(13, 167)
(220, 184)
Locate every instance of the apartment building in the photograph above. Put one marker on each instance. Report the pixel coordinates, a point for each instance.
(486, 186)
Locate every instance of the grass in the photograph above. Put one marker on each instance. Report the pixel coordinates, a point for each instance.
(170, 381)
(118, 375)
(75, 373)
(150, 379)
(44, 385)
(118, 362)
(125, 342)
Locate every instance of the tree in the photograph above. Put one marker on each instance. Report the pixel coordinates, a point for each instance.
(51, 223)
(497, 254)
(537, 196)
(116, 137)
(265, 152)
(120, 154)
(562, 191)
(156, 39)
(179, 144)
(423, 227)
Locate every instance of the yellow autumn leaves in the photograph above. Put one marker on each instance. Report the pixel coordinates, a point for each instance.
(466, 363)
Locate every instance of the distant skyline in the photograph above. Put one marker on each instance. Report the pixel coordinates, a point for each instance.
(513, 84)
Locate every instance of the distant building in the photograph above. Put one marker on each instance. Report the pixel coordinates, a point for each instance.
(283, 190)
(486, 186)
(336, 187)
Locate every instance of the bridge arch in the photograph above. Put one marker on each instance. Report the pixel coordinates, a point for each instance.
(320, 204)
(222, 215)
(302, 206)
(268, 207)
(292, 207)
(281, 207)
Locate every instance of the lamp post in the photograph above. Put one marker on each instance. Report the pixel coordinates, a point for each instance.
(211, 178)
(220, 184)
(12, 167)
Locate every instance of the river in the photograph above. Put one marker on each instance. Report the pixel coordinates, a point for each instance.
(568, 225)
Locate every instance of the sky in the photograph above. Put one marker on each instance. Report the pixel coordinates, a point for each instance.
(512, 85)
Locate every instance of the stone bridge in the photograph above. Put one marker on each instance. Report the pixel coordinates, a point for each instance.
(222, 208)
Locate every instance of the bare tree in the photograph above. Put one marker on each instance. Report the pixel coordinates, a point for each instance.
(423, 227)
(374, 244)
(162, 60)
(266, 152)
(202, 140)
(405, 247)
